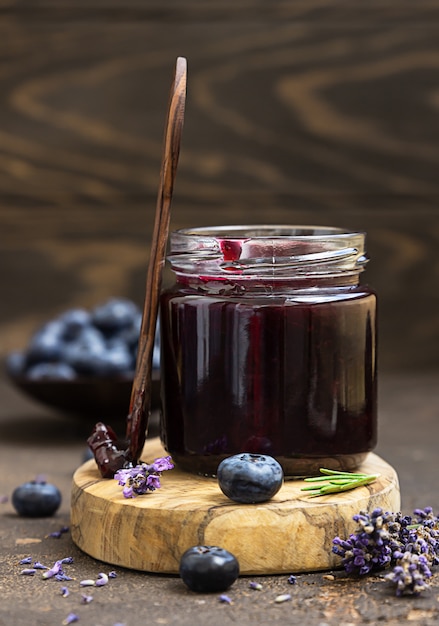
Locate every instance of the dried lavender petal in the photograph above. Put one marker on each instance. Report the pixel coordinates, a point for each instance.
(284, 597)
(254, 585)
(26, 561)
(102, 580)
(292, 579)
(54, 570)
(28, 572)
(225, 599)
(65, 592)
(71, 617)
(86, 599)
(62, 576)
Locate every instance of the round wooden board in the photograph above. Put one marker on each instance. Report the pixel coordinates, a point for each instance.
(289, 534)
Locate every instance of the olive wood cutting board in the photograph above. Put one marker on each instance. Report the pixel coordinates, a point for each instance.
(289, 534)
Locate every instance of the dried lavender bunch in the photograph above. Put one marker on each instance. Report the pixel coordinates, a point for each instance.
(143, 478)
(410, 545)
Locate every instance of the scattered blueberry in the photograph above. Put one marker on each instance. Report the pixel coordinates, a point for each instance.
(36, 499)
(250, 478)
(208, 568)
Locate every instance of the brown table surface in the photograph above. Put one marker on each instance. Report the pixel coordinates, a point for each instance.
(35, 440)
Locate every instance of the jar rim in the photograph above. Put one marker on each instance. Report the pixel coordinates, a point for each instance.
(270, 231)
(267, 250)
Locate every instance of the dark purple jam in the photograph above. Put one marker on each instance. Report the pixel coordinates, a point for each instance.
(290, 375)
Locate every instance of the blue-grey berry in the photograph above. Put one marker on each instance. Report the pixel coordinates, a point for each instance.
(36, 499)
(208, 568)
(250, 478)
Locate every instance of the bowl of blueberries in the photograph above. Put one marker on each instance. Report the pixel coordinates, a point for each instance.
(82, 362)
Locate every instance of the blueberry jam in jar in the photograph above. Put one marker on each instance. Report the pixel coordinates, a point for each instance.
(269, 347)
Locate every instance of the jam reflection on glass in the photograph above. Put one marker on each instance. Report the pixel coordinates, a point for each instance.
(292, 375)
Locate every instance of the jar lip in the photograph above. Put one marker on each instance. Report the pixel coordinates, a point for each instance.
(267, 250)
(269, 231)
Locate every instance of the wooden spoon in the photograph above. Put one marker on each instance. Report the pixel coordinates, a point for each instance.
(103, 440)
(137, 421)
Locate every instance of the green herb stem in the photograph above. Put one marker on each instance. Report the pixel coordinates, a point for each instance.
(334, 481)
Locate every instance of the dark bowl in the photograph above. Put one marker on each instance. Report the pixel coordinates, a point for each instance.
(91, 399)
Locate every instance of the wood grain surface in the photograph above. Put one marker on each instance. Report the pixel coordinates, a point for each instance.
(298, 112)
(290, 533)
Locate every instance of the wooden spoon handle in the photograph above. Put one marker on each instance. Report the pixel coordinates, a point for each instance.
(137, 420)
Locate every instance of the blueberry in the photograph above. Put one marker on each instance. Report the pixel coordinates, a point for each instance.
(51, 371)
(208, 568)
(46, 344)
(86, 353)
(74, 321)
(250, 478)
(115, 314)
(117, 360)
(36, 499)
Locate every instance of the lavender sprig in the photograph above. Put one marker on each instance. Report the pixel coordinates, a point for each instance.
(383, 540)
(143, 478)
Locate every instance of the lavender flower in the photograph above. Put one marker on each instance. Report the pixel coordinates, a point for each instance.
(284, 597)
(384, 540)
(28, 572)
(26, 561)
(56, 534)
(65, 592)
(255, 586)
(102, 580)
(55, 569)
(225, 599)
(85, 599)
(71, 617)
(142, 478)
(292, 579)
(410, 574)
(62, 576)
(112, 574)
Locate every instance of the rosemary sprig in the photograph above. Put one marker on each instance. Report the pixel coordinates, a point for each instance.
(334, 481)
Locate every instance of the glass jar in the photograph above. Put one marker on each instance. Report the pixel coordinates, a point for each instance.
(268, 346)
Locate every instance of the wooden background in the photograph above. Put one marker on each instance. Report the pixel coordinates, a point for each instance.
(307, 111)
